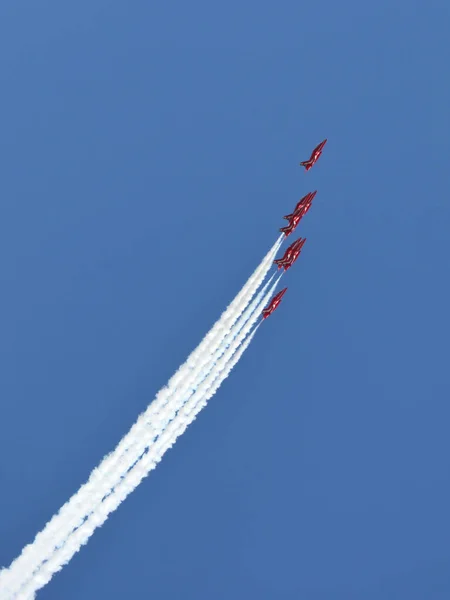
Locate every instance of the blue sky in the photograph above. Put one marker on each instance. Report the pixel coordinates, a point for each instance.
(148, 152)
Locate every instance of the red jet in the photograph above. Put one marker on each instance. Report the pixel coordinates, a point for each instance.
(273, 304)
(314, 156)
(300, 211)
(295, 220)
(303, 205)
(290, 261)
(291, 254)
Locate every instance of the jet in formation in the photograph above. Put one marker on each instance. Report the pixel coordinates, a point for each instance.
(314, 156)
(303, 205)
(273, 304)
(299, 212)
(291, 255)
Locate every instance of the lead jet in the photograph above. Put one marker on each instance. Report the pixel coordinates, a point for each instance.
(314, 156)
(273, 304)
(291, 254)
(303, 205)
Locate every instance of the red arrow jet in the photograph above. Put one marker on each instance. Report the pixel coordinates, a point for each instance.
(273, 304)
(295, 217)
(291, 254)
(290, 261)
(295, 220)
(303, 205)
(287, 253)
(314, 156)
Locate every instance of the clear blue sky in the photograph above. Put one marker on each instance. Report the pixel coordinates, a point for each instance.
(148, 151)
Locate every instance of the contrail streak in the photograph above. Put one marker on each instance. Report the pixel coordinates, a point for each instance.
(150, 460)
(171, 410)
(151, 423)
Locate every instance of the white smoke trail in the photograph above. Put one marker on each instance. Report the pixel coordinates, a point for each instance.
(148, 437)
(149, 461)
(46, 572)
(90, 494)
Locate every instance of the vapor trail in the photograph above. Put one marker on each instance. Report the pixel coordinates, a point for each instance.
(152, 422)
(150, 460)
(180, 397)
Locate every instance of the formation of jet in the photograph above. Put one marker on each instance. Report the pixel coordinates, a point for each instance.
(273, 304)
(293, 251)
(314, 156)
